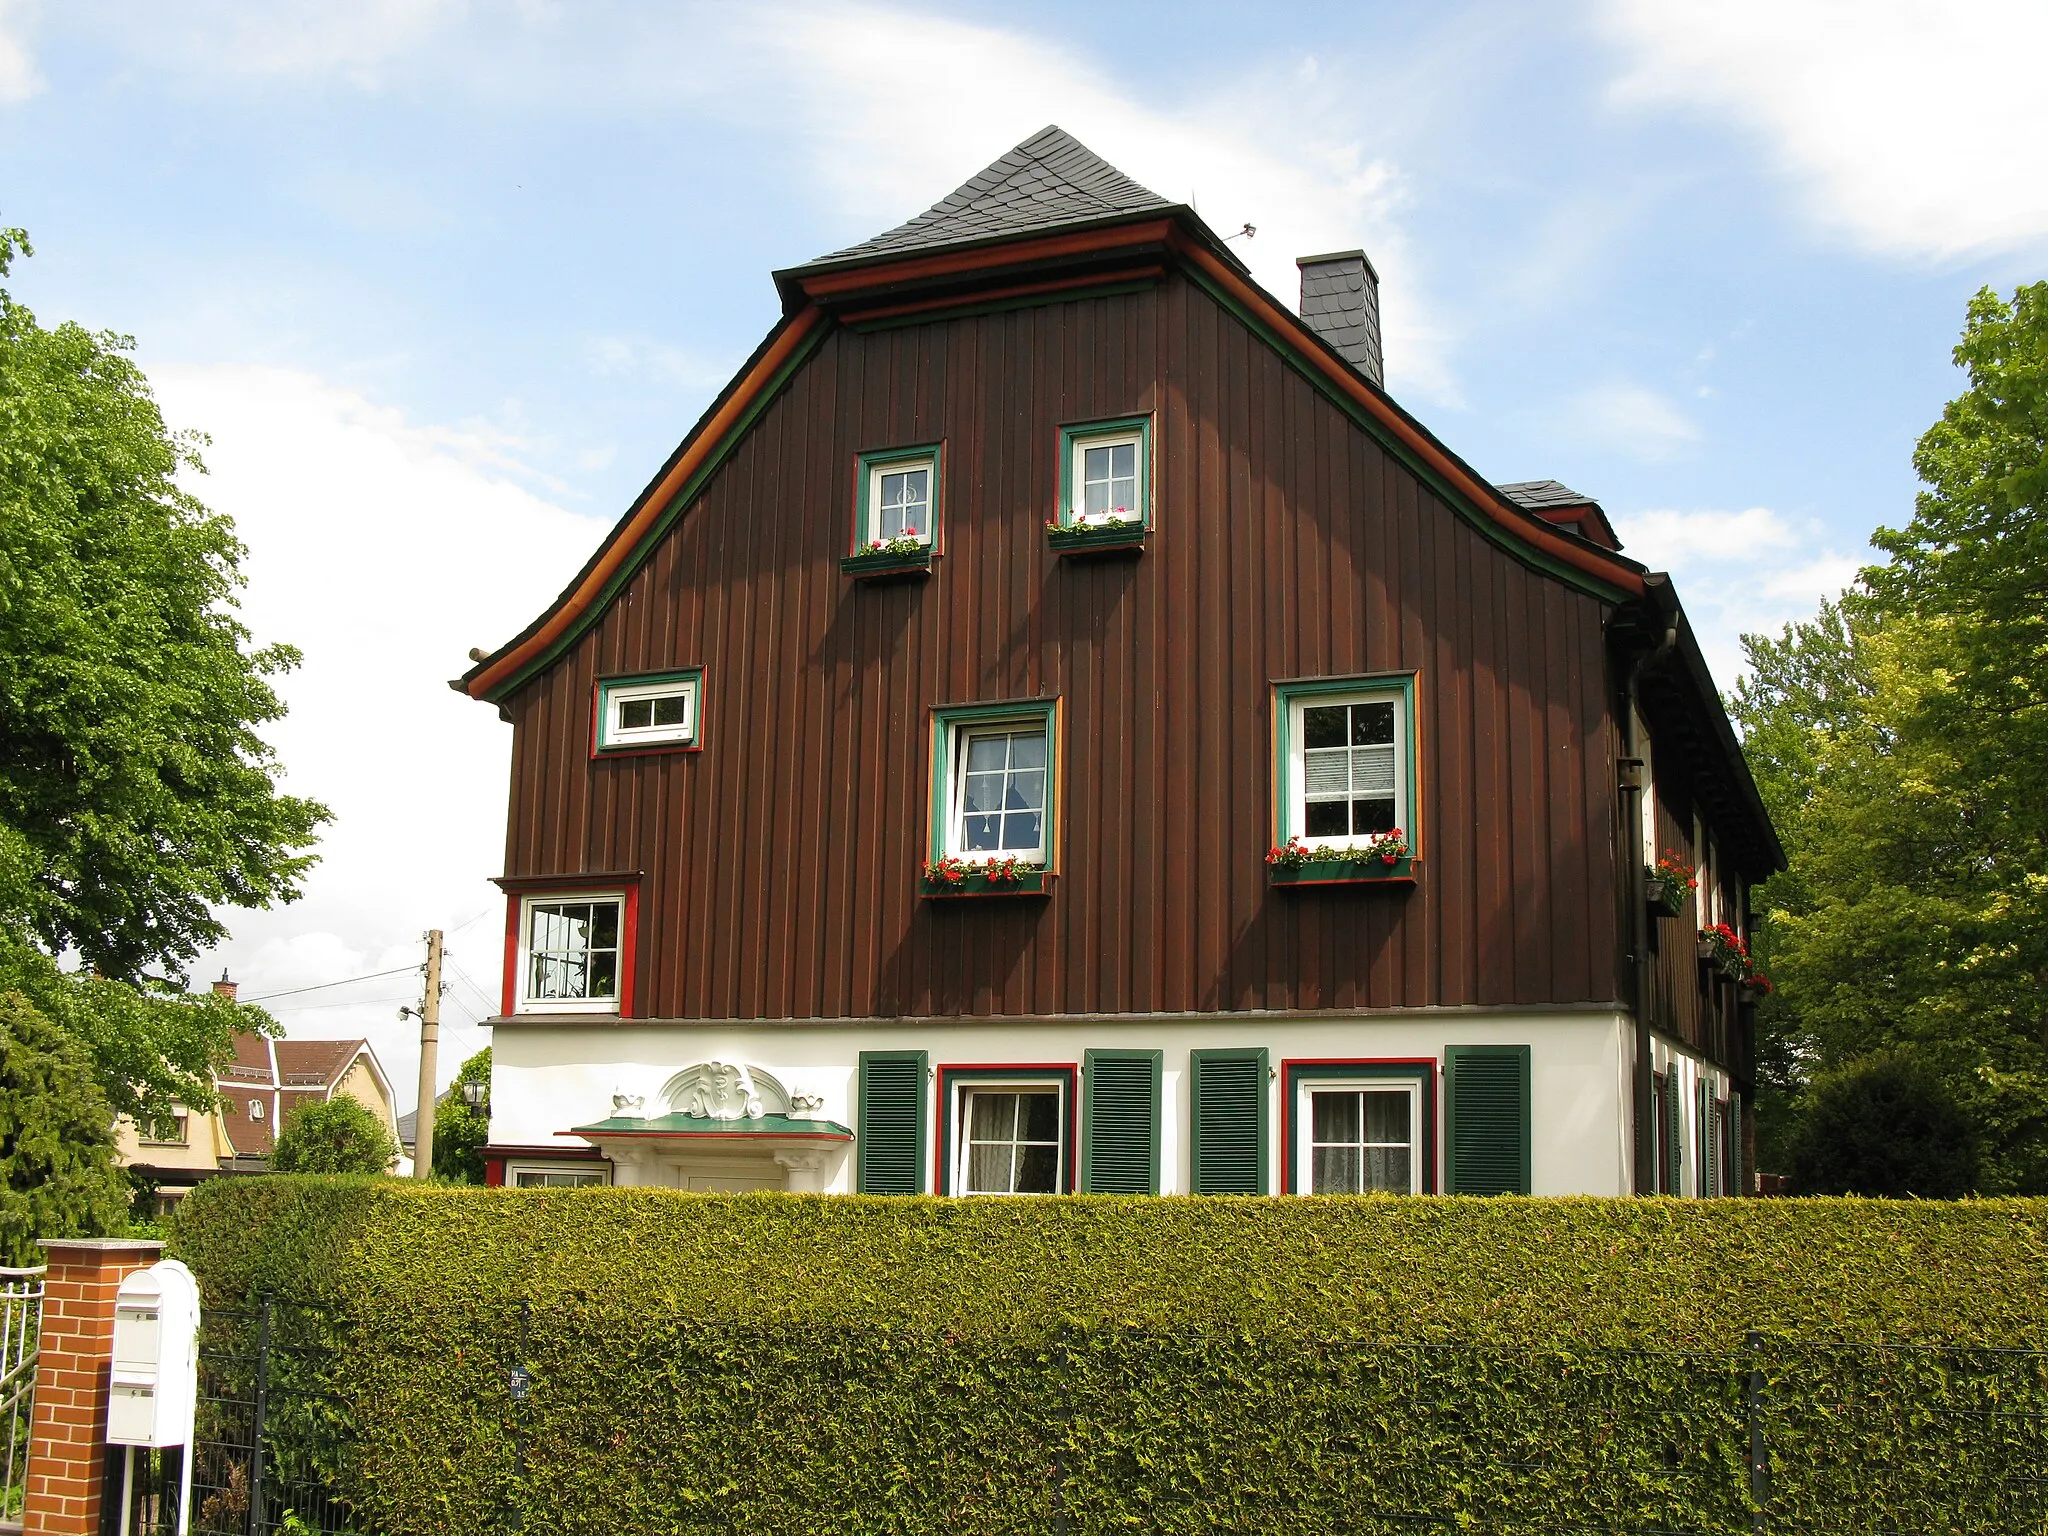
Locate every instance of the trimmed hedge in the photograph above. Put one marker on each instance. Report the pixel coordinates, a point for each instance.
(767, 1363)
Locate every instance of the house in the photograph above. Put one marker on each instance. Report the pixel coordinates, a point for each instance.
(1057, 723)
(265, 1082)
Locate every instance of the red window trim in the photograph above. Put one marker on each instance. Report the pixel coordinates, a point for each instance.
(1432, 1130)
(1069, 1075)
(519, 889)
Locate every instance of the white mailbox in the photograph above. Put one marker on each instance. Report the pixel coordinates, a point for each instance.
(156, 1357)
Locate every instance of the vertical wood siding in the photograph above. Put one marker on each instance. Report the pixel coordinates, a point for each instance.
(781, 861)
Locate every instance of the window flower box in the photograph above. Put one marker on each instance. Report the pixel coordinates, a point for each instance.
(1386, 858)
(956, 876)
(888, 558)
(1126, 534)
(1668, 885)
(1723, 952)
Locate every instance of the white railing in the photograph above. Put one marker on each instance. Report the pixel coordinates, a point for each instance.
(21, 1318)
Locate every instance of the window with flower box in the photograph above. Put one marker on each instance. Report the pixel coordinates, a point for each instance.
(1105, 486)
(994, 781)
(1344, 773)
(896, 512)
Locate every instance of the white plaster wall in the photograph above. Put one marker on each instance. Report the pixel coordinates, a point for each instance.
(547, 1078)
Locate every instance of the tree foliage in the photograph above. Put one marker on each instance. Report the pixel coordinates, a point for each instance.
(57, 1173)
(338, 1135)
(1901, 742)
(136, 797)
(460, 1131)
(1883, 1126)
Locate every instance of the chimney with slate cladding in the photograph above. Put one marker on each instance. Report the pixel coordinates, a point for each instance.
(1340, 300)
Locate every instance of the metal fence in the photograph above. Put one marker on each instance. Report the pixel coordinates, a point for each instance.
(269, 1437)
(21, 1317)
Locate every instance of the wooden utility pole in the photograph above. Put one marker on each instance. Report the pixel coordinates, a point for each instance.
(430, 1047)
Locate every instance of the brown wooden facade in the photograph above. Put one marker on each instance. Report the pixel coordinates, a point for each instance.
(778, 866)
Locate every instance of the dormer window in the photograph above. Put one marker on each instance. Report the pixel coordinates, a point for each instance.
(648, 712)
(899, 501)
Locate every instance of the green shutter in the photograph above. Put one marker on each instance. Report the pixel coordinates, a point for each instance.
(1227, 1138)
(1486, 1119)
(1674, 1137)
(890, 1136)
(1702, 1139)
(1741, 1185)
(1120, 1122)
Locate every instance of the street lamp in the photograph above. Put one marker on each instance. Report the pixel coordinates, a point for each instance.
(474, 1094)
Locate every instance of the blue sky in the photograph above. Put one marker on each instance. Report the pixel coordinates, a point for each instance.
(447, 281)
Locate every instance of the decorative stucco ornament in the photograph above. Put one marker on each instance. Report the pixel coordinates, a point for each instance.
(629, 1106)
(807, 1106)
(724, 1090)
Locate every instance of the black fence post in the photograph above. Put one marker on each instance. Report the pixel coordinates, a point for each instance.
(521, 1380)
(257, 1524)
(1753, 1344)
(1064, 1423)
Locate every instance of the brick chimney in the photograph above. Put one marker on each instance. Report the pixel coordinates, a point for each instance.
(1340, 300)
(225, 988)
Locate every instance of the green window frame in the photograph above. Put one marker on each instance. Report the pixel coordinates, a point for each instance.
(609, 738)
(872, 466)
(955, 1082)
(1076, 438)
(1120, 1122)
(1486, 1119)
(952, 724)
(1291, 701)
(1420, 1074)
(1229, 1119)
(893, 1120)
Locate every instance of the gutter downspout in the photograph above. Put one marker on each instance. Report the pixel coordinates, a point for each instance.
(1631, 787)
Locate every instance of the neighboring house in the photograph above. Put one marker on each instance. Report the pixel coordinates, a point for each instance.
(1164, 579)
(265, 1082)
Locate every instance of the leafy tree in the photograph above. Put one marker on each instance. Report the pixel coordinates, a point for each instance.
(337, 1136)
(136, 797)
(152, 1045)
(1901, 743)
(57, 1172)
(461, 1132)
(1886, 1126)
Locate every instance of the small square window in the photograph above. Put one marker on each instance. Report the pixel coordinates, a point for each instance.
(1105, 476)
(572, 953)
(995, 774)
(648, 712)
(1013, 1143)
(1360, 1127)
(1346, 767)
(899, 501)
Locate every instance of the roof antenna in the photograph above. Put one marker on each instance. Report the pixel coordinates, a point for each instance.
(1246, 233)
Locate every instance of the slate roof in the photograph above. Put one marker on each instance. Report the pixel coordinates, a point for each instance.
(1051, 179)
(1537, 495)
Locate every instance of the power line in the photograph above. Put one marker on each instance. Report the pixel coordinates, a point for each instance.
(354, 1002)
(324, 985)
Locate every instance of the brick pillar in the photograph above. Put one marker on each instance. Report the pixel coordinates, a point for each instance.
(67, 1448)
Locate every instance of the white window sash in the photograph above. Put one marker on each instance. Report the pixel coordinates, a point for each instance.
(876, 472)
(612, 734)
(1077, 476)
(1304, 1119)
(963, 1095)
(1298, 707)
(956, 810)
(529, 1004)
(515, 1171)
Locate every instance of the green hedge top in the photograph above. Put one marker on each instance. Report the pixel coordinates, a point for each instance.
(1682, 1274)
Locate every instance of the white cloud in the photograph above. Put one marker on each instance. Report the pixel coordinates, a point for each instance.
(383, 550)
(1920, 127)
(1738, 573)
(1263, 152)
(1630, 419)
(356, 40)
(19, 79)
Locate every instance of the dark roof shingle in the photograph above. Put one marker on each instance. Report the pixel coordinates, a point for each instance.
(1538, 494)
(1049, 180)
